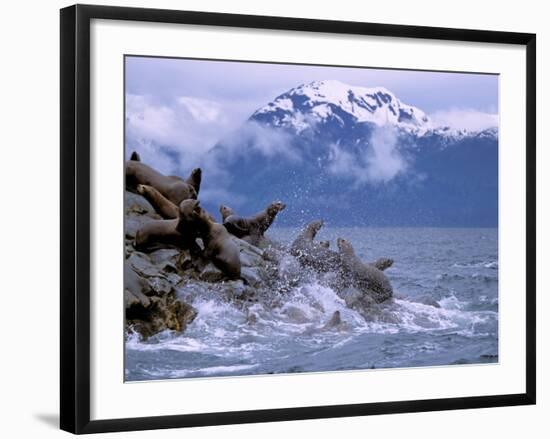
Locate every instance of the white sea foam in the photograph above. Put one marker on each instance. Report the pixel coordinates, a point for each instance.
(451, 302)
(428, 324)
(484, 264)
(168, 341)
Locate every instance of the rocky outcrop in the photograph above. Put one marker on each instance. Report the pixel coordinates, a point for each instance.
(162, 284)
(150, 299)
(159, 286)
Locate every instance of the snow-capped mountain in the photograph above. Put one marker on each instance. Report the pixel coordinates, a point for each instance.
(321, 101)
(358, 156)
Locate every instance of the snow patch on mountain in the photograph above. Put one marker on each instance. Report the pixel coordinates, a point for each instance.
(326, 101)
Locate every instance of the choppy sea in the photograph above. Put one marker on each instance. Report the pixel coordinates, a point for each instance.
(445, 312)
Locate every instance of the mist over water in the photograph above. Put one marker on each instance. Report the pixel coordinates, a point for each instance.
(444, 312)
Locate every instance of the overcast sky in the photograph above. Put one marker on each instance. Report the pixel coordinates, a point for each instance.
(258, 83)
(188, 105)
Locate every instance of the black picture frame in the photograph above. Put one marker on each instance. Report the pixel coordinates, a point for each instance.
(75, 217)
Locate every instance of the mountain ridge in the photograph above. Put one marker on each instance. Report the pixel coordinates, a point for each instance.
(322, 100)
(357, 156)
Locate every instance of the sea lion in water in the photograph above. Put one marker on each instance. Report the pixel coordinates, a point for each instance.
(313, 254)
(174, 189)
(325, 244)
(252, 228)
(307, 235)
(336, 323)
(383, 263)
(218, 245)
(365, 277)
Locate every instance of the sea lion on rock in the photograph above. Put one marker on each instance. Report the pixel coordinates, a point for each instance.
(158, 232)
(226, 212)
(162, 205)
(194, 179)
(252, 228)
(175, 190)
(306, 236)
(312, 254)
(179, 232)
(219, 247)
(365, 277)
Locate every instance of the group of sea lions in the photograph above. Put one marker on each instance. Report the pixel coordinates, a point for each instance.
(251, 229)
(353, 272)
(184, 221)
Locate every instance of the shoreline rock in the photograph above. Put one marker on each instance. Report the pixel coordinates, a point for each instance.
(161, 285)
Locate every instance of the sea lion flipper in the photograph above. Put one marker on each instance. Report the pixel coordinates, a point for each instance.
(235, 228)
(195, 179)
(383, 263)
(135, 157)
(160, 203)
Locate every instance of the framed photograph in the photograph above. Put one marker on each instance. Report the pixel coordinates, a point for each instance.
(268, 218)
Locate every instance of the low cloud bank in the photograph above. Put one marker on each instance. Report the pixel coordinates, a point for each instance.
(465, 119)
(380, 161)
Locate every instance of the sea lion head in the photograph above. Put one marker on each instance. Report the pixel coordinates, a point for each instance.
(275, 207)
(344, 246)
(135, 157)
(313, 228)
(384, 263)
(226, 211)
(189, 209)
(196, 174)
(325, 244)
(336, 318)
(195, 178)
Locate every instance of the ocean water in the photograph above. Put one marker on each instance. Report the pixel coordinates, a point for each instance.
(445, 312)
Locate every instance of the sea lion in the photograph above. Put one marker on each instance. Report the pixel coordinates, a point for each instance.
(135, 157)
(158, 232)
(178, 232)
(365, 277)
(336, 323)
(383, 263)
(252, 228)
(163, 206)
(325, 244)
(226, 212)
(175, 190)
(218, 245)
(312, 254)
(309, 232)
(194, 179)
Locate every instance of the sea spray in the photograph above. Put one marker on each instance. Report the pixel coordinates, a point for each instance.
(457, 325)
